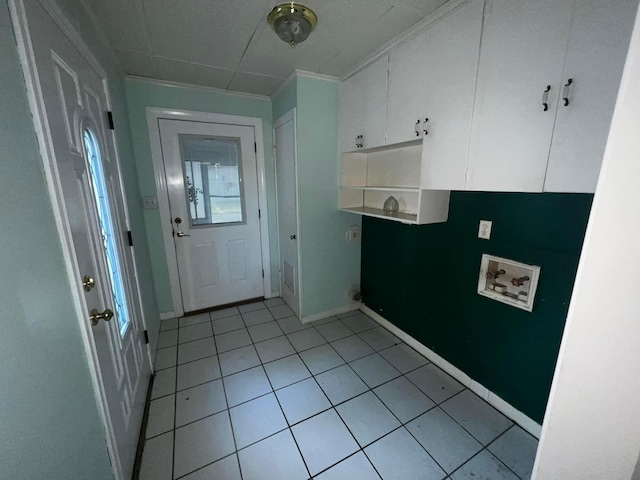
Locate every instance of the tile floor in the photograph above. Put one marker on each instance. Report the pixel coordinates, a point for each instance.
(251, 393)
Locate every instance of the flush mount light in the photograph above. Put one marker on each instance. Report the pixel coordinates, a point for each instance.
(292, 22)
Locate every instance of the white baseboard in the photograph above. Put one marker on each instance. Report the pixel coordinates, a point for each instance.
(167, 315)
(498, 403)
(329, 313)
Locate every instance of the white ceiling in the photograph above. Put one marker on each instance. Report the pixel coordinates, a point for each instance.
(228, 44)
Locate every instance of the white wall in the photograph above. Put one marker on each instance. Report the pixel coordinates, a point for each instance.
(592, 426)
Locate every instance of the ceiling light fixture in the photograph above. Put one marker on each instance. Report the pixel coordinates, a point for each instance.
(292, 22)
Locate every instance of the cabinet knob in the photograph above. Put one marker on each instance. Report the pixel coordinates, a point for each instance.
(565, 92)
(545, 99)
(417, 128)
(424, 126)
(359, 141)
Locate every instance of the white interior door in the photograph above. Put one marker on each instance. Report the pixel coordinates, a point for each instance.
(73, 103)
(212, 185)
(285, 145)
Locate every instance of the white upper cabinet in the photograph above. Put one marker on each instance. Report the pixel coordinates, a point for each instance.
(596, 53)
(409, 92)
(522, 57)
(454, 46)
(363, 107)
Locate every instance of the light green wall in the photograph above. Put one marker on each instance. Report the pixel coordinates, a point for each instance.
(285, 98)
(329, 266)
(142, 94)
(50, 426)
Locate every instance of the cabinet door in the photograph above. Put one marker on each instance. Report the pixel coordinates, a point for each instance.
(452, 60)
(596, 53)
(409, 76)
(363, 106)
(523, 49)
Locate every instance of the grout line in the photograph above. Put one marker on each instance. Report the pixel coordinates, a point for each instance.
(285, 417)
(226, 401)
(175, 401)
(332, 407)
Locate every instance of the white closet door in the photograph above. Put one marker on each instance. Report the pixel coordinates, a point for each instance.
(523, 50)
(597, 50)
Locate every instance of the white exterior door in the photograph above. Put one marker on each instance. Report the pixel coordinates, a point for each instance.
(285, 145)
(212, 185)
(72, 109)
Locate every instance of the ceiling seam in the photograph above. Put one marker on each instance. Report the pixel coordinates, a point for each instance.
(147, 35)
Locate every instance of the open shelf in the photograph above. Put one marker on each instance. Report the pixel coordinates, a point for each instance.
(409, 218)
(369, 177)
(384, 189)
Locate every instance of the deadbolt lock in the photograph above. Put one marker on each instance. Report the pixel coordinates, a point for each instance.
(88, 283)
(96, 316)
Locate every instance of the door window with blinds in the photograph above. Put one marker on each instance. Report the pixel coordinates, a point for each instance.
(213, 180)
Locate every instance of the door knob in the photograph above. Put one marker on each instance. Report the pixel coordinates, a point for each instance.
(181, 234)
(88, 283)
(292, 237)
(96, 316)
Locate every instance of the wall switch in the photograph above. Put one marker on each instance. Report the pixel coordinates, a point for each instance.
(485, 229)
(149, 202)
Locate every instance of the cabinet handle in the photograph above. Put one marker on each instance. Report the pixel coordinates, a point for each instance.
(424, 126)
(545, 99)
(417, 128)
(359, 141)
(565, 92)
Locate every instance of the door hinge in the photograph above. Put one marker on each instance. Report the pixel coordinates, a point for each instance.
(255, 147)
(146, 337)
(130, 238)
(259, 214)
(110, 119)
(263, 273)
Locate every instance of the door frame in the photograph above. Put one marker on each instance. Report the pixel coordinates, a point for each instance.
(54, 189)
(290, 115)
(154, 114)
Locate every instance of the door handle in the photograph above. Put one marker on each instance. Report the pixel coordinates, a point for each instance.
(565, 92)
(96, 316)
(181, 234)
(545, 99)
(292, 237)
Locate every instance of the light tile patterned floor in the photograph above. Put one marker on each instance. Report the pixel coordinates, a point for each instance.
(250, 393)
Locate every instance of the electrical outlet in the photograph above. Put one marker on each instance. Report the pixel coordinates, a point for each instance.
(354, 234)
(485, 229)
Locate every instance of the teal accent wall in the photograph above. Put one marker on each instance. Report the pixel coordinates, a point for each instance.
(424, 280)
(330, 266)
(141, 94)
(50, 425)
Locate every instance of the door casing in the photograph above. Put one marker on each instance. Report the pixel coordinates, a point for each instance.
(290, 116)
(40, 122)
(153, 115)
